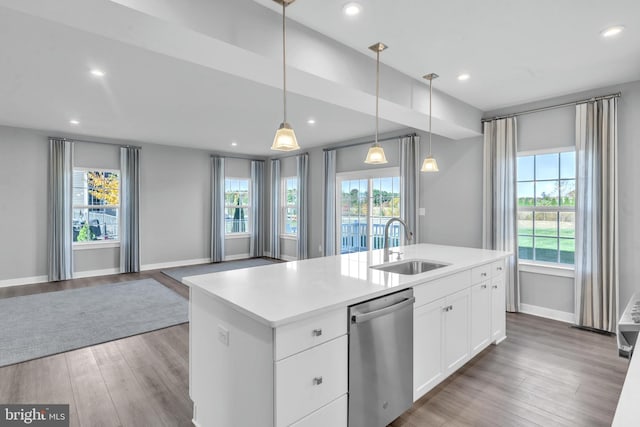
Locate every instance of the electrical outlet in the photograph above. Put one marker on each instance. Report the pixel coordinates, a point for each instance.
(223, 335)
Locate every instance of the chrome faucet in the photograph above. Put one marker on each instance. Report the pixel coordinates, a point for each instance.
(407, 233)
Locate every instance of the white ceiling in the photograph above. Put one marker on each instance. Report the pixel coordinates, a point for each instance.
(179, 92)
(516, 51)
(148, 97)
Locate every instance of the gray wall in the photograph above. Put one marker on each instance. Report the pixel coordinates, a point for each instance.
(556, 128)
(174, 203)
(23, 203)
(452, 197)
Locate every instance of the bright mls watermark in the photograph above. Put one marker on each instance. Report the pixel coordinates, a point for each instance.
(34, 415)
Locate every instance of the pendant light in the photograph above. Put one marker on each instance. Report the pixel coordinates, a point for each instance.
(430, 164)
(285, 139)
(375, 155)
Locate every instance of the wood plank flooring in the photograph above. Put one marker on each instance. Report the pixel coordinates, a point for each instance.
(544, 374)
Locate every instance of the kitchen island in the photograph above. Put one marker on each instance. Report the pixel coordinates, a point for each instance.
(269, 347)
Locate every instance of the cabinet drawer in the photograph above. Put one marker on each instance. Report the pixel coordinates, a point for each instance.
(334, 415)
(481, 273)
(497, 268)
(309, 380)
(299, 336)
(431, 291)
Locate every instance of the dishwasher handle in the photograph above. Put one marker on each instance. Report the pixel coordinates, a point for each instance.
(365, 317)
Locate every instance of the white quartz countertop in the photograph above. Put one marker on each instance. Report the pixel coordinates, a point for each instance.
(281, 293)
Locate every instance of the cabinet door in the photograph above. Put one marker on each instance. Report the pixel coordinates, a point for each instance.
(456, 331)
(481, 316)
(498, 310)
(427, 347)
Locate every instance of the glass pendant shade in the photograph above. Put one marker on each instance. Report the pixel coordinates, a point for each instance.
(429, 165)
(285, 139)
(375, 155)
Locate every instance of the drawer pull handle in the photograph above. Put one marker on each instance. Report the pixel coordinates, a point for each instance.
(483, 286)
(495, 286)
(483, 274)
(499, 268)
(316, 332)
(450, 307)
(317, 381)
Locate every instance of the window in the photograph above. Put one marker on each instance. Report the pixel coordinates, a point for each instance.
(236, 205)
(366, 202)
(290, 206)
(96, 205)
(546, 207)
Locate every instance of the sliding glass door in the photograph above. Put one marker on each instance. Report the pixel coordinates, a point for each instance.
(366, 201)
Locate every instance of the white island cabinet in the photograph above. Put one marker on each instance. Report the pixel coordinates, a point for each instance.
(269, 345)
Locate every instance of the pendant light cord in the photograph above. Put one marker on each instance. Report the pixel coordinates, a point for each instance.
(377, 90)
(430, 96)
(284, 61)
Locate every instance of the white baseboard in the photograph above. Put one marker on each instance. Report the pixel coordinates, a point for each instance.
(183, 263)
(288, 258)
(93, 273)
(236, 257)
(267, 254)
(548, 313)
(23, 281)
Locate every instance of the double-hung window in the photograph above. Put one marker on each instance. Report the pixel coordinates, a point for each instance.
(546, 207)
(96, 205)
(290, 206)
(237, 204)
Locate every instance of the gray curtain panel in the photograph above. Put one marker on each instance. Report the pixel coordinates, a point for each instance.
(330, 202)
(275, 209)
(597, 255)
(409, 183)
(302, 163)
(60, 225)
(129, 209)
(217, 209)
(500, 199)
(256, 245)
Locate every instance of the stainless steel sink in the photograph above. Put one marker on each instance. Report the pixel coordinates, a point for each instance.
(409, 267)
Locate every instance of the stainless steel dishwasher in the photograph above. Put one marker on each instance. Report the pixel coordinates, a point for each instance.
(380, 359)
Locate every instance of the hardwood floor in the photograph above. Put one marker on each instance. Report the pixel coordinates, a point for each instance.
(544, 374)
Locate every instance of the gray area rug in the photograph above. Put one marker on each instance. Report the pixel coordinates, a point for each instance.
(40, 325)
(193, 270)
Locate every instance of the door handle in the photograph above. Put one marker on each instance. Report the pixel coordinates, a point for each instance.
(316, 332)
(483, 287)
(364, 317)
(317, 381)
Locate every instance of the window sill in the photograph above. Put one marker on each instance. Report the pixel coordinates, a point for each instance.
(548, 269)
(237, 236)
(289, 236)
(105, 244)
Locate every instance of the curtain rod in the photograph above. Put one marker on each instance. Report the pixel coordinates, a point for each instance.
(237, 157)
(553, 107)
(289, 155)
(355, 144)
(97, 142)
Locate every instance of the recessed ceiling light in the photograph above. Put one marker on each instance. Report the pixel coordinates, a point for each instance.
(74, 122)
(612, 31)
(311, 121)
(97, 73)
(234, 144)
(464, 76)
(352, 9)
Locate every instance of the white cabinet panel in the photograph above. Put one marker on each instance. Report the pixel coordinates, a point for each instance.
(456, 331)
(298, 336)
(480, 273)
(481, 316)
(428, 338)
(498, 308)
(310, 380)
(334, 415)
